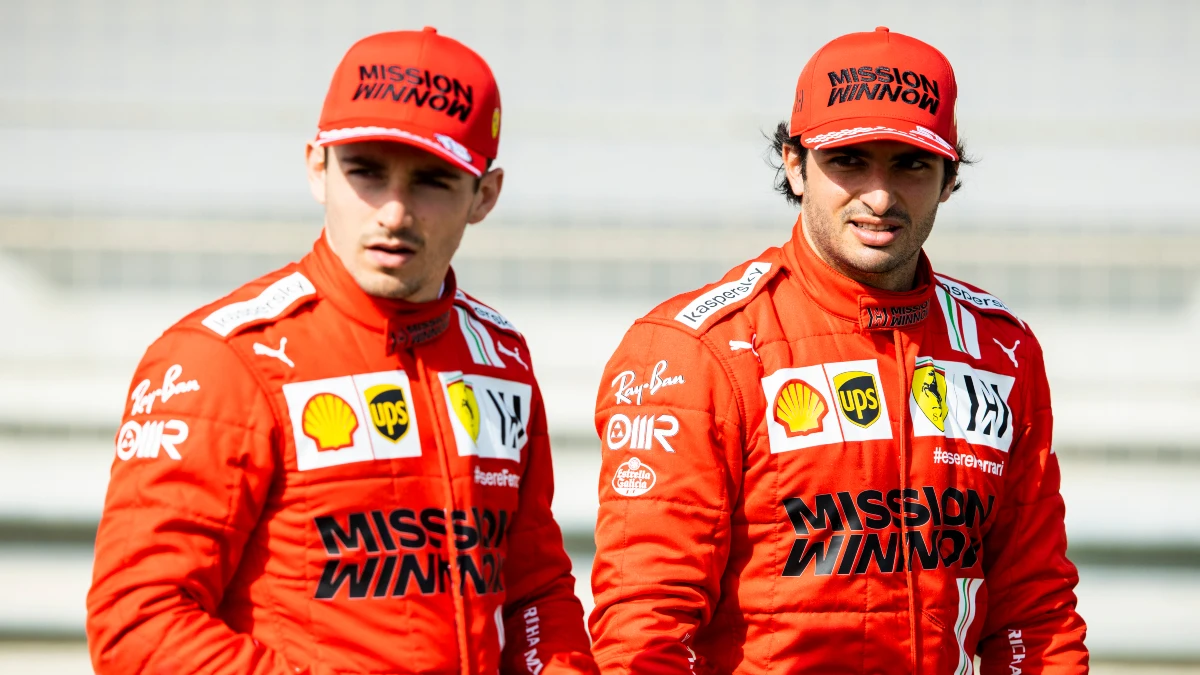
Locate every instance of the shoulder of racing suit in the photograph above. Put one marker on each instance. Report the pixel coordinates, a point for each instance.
(976, 298)
(697, 312)
(263, 301)
(479, 310)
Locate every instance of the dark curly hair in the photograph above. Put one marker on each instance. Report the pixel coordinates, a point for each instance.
(782, 138)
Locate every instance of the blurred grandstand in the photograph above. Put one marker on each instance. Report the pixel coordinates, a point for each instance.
(154, 163)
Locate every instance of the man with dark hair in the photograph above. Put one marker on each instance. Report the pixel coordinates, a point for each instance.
(835, 459)
(343, 466)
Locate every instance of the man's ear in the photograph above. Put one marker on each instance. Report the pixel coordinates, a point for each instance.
(486, 195)
(793, 168)
(947, 190)
(314, 159)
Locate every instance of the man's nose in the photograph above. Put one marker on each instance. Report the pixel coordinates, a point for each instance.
(878, 193)
(391, 214)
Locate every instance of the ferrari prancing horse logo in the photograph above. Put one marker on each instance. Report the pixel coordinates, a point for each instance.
(929, 391)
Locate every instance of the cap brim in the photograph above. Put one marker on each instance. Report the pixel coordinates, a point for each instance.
(418, 139)
(861, 130)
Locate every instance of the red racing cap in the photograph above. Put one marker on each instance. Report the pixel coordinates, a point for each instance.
(419, 88)
(877, 86)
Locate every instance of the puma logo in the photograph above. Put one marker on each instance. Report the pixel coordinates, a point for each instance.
(515, 353)
(1012, 352)
(737, 345)
(264, 350)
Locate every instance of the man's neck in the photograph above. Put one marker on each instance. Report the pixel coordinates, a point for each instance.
(898, 280)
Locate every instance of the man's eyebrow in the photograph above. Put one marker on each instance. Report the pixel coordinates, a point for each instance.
(849, 150)
(437, 173)
(362, 161)
(923, 155)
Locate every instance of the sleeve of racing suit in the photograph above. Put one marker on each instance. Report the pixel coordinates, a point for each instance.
(671, 467)
(193, 467)
(543, 619)
(1032, 625)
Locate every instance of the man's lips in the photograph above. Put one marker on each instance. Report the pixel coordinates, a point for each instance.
(390, 254)
(875, 231)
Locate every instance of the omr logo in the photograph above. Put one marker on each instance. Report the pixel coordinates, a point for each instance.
(389, 410)
(858, 396)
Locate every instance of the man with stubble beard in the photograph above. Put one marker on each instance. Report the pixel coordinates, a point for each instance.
(343, 466)
(835, 460)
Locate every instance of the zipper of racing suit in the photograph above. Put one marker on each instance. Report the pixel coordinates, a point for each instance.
(433, 387)
(902, 376)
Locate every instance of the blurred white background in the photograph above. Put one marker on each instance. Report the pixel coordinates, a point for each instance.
(153, 162)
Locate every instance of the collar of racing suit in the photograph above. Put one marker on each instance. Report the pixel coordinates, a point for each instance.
(405, 324)
(872, 308)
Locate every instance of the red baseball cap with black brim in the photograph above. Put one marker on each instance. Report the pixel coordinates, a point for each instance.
(877, 86)
(418, 88)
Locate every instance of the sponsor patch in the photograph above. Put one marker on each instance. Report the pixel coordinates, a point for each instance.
(801, 403)
(389, 410)
(929, 391)
(464, 405)
(382, 552)
(628, 392)
(501, 478)
(486, 313)
(502, 408)
(970, 461)
(641, 432)
(875, 317)
(479, 341)
(273, 301)
(976, 298)
(858, 397)
(960, 324)
(974, 405)
(633, 478)
(264, 350)
(143, 398)
(355, 418)
(329, 421)
(853, 533)
(800, 409)
(1010, 352)
(147, 439)
(702, 308)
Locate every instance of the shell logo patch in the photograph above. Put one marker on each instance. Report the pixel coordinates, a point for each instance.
(858, 397)
(800, 409)
(465, 406)
(929, 391)
(355, 418)
(389, 410)
(495, 122)
(799, 414)
(329, 421)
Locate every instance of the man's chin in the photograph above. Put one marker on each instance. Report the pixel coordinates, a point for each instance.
(382, 285)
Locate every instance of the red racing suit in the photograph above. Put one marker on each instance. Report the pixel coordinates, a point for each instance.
(803, 474)
(311, 480)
